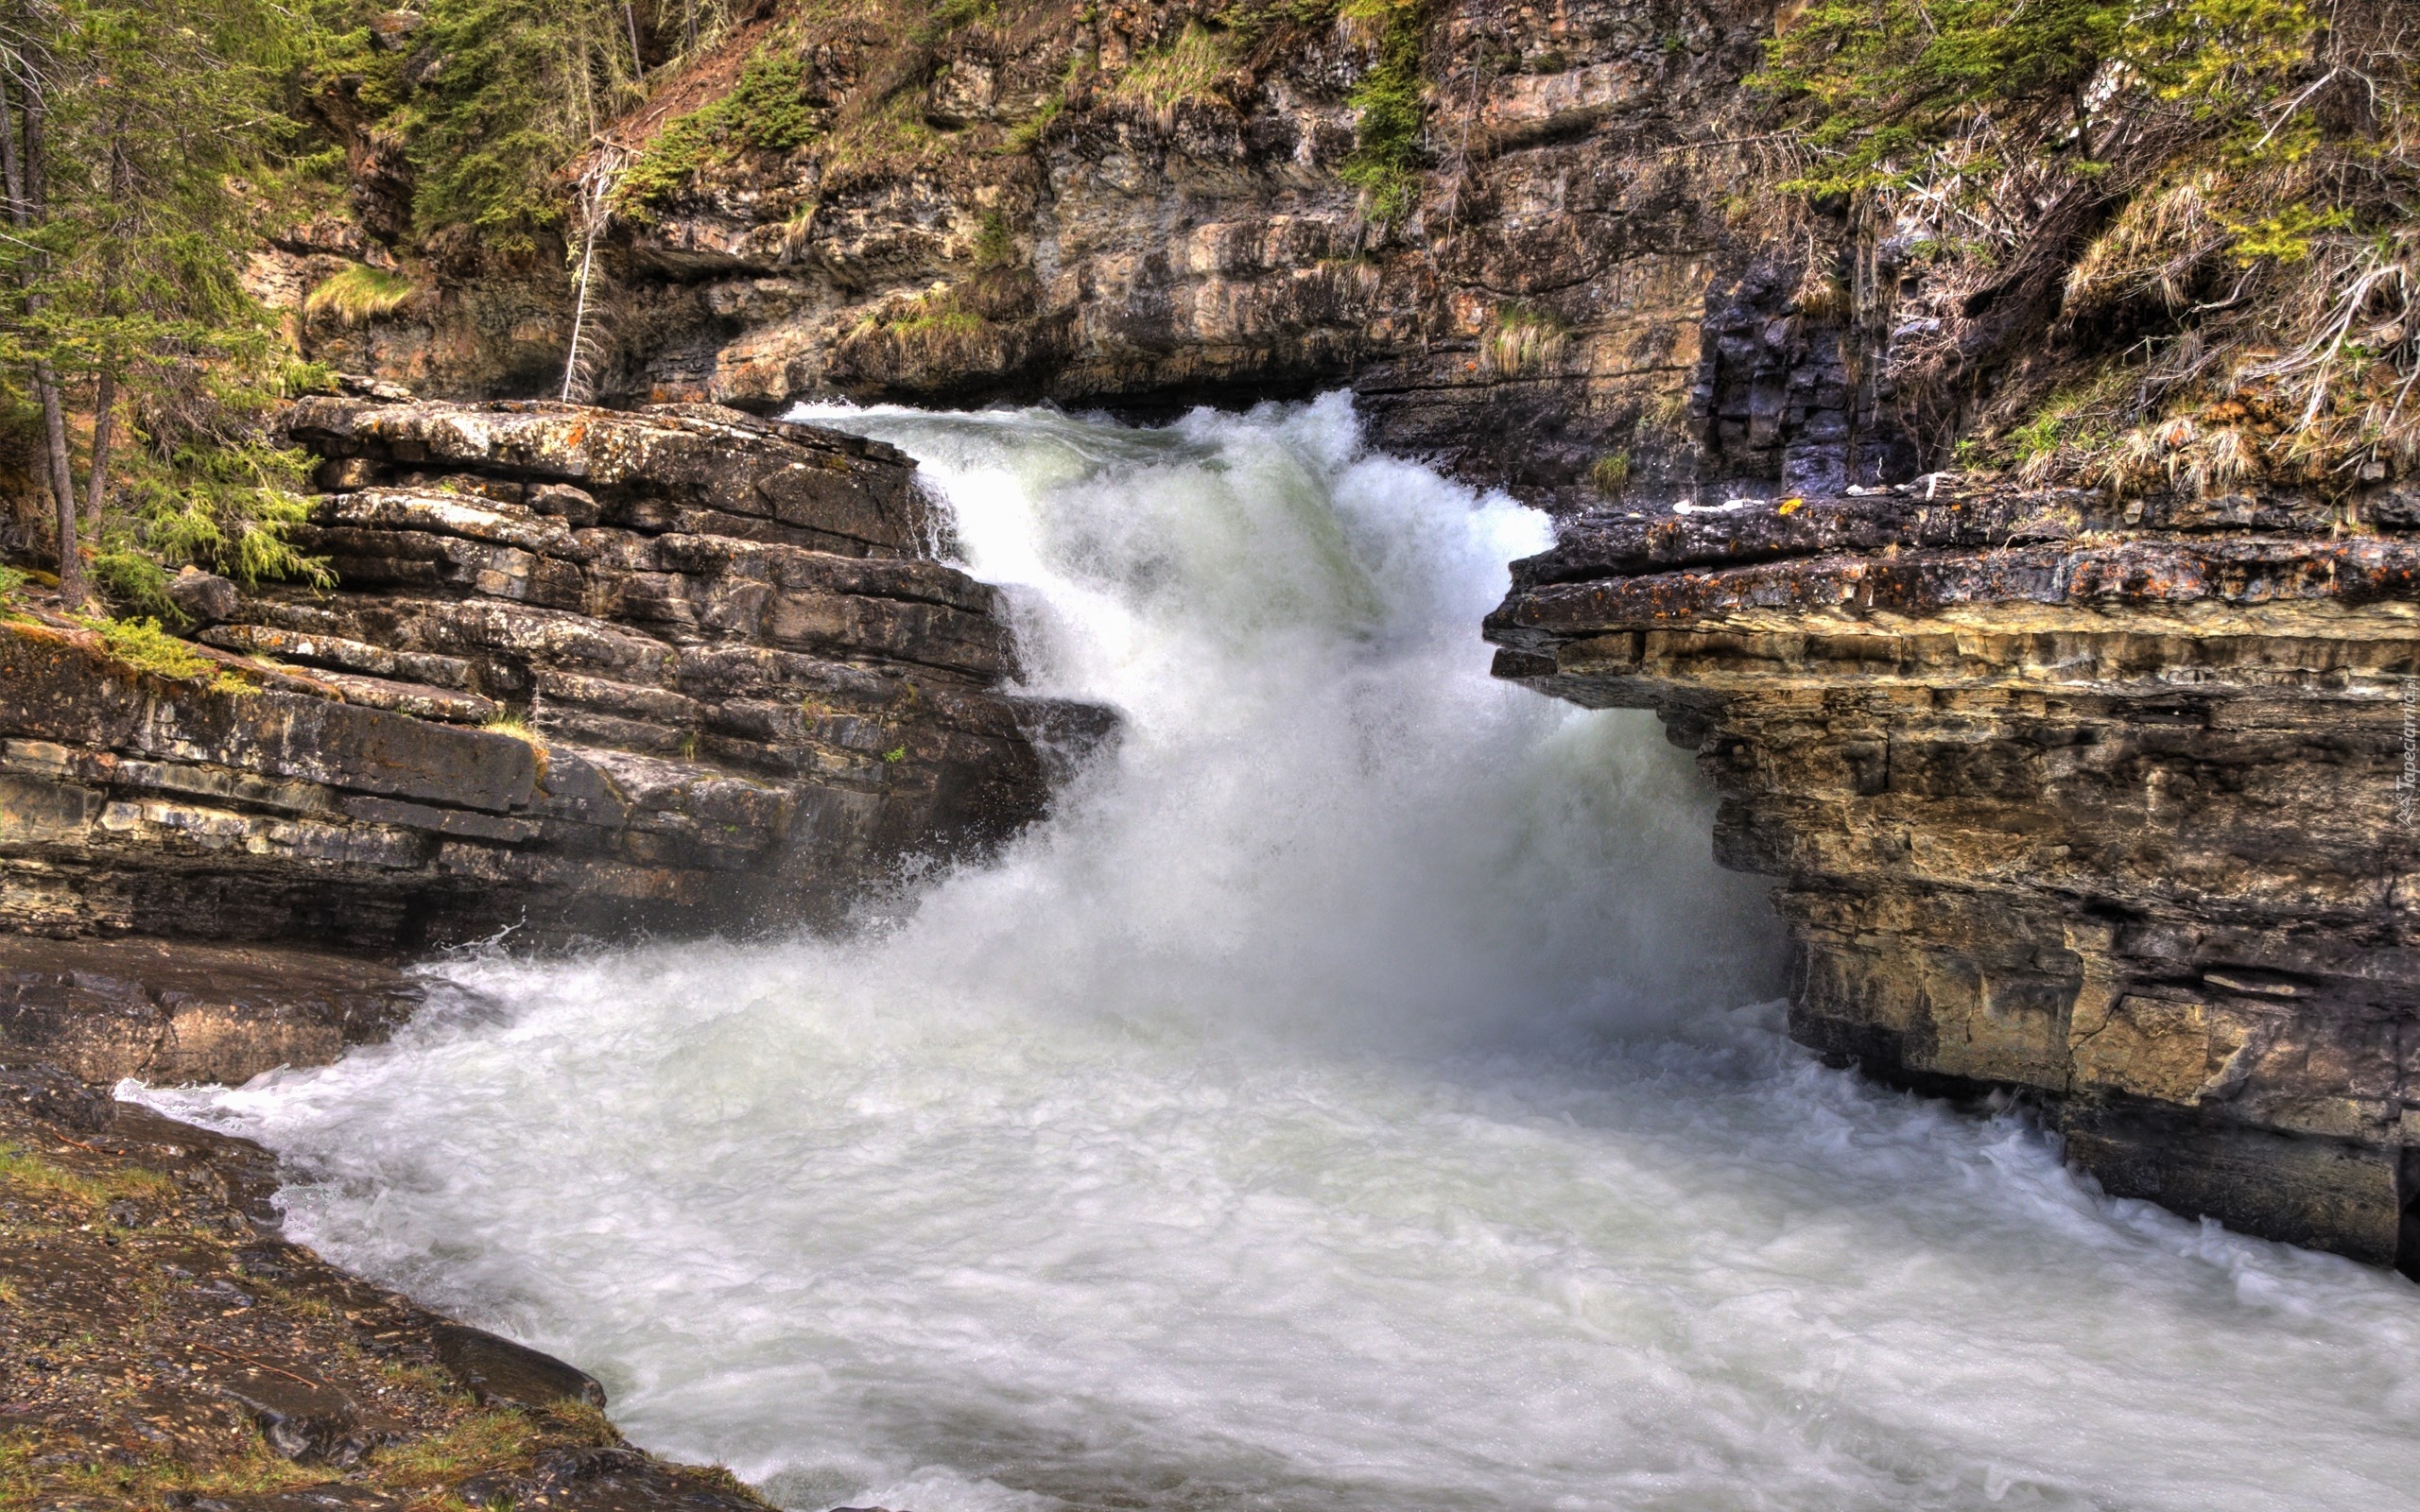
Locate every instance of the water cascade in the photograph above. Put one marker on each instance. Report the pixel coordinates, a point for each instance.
(1349, 1099)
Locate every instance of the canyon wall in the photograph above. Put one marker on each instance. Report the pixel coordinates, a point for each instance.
(1143, 207)
(579, 673)
(2100, 796)
(2118, 811)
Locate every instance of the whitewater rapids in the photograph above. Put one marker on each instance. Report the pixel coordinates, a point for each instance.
(1345, 1101)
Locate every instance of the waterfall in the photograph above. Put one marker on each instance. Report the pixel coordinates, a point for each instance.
(1355, 1096)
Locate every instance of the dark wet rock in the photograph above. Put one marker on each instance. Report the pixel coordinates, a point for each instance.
(498, 1371)
(2109, 804)
(57, 1096)
(298, 1417)
(334, 1496)
(185, 1011)
(600, 1480)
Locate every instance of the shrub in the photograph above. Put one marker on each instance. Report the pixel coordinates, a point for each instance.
(1389, 111)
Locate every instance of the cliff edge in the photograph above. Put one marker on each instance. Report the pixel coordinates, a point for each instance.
(576, 673)
(2109, 804)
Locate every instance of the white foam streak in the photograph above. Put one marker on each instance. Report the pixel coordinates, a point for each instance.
(1336, 1105)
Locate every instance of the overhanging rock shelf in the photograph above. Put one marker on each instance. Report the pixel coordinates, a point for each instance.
(2103, 802)
(582, 672)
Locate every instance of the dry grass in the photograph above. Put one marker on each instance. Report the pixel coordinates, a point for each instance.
(360, 294)
(1520, 339)
(1186, 72)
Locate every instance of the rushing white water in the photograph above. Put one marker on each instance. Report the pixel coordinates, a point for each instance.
(1341, 1103)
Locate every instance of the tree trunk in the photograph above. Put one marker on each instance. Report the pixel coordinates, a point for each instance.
(105, 386)
(11, 165)
(54, 417)
(23, 171)
(62, 486)
(104, 421)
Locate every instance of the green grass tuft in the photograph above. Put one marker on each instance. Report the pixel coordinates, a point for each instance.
(143, 645)
(1611, 475)
(22, 1168)
(360, 294)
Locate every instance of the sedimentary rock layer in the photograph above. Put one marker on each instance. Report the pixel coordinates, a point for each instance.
(580, 672)
(2117, 810)
(1031, 203)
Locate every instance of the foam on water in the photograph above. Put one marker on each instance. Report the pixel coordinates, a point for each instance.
(1339, 1103)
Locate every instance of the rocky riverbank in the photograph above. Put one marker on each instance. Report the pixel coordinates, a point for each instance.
(576, 673)
(2109, 805)
(162, 1346)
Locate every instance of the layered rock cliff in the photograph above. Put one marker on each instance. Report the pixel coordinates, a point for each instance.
(579, 672)
(1150, 205)
(2111, 806)
(2092, 794)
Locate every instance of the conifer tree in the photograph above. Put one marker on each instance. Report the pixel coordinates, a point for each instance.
(139, 137)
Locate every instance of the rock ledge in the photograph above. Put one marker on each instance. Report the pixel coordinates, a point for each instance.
(2112, 808)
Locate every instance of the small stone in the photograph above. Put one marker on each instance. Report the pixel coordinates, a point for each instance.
(300, 1418)
(501, 1372)
(575, 508)
(204, 599)
(361, 386)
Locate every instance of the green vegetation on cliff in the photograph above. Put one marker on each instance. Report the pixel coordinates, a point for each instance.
(1388, 112)
(140, 145)
(2199, 214)
(763, 113)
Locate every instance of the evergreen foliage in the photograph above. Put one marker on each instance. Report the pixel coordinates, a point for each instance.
(143, 137)
(518, 88)
(1389, 108)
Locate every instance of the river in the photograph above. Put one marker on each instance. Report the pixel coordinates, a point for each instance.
(1363, 1093)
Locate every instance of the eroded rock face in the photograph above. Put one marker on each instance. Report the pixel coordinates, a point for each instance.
(581, 672)
(1567, 287)
(2114, 808)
